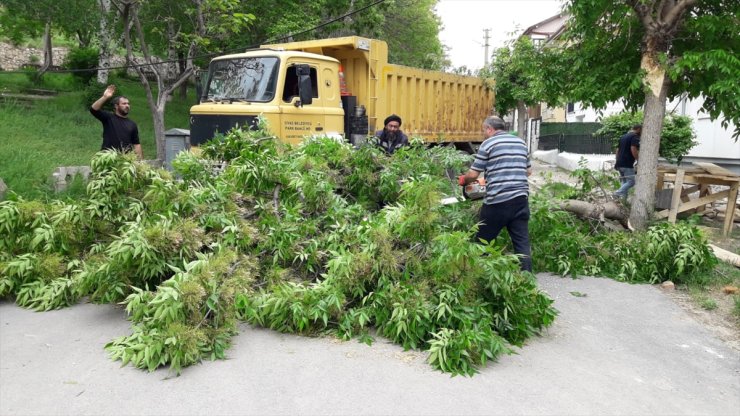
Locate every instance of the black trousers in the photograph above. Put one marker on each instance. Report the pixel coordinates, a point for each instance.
(514, 215)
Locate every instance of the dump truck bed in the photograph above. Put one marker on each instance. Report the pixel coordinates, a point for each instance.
(435, 105)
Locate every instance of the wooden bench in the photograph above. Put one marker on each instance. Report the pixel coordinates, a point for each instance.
(698, 178)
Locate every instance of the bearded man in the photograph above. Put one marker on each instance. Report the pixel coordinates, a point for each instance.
(391, 138)
(119, 132)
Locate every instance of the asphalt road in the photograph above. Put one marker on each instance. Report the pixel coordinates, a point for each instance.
(621, 349)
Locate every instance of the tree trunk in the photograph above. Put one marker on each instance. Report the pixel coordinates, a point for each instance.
(105, 40)
(83, 38)
(130, 18)
(48, 55)
(657, 84)
(158, 119)
(521, 118)
(182, 66)
(171, 69)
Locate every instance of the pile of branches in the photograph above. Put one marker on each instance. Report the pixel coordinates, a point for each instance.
(573, 233)
(315, 239)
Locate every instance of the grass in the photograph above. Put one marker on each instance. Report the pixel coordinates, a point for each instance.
(61, 131)
(708, 292)
(38, 42)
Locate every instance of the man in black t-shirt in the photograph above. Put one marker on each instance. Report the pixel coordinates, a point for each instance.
(627, 154)
(119, 132)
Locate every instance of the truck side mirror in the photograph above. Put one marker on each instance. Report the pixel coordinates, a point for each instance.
(305, 90)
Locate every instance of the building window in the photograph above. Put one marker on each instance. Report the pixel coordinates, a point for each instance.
(571, 107)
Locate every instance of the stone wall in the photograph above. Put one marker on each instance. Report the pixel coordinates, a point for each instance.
(12, 58)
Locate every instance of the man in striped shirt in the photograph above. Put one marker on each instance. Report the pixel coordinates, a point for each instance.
(504, 160)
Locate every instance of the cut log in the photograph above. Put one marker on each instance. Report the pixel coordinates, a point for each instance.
(583, 209)
(726, 256)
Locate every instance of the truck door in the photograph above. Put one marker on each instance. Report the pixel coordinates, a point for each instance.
(298, 118)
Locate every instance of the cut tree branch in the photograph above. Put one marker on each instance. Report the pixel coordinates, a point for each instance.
(276, 200)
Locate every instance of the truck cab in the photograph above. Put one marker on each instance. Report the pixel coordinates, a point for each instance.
(296, 92)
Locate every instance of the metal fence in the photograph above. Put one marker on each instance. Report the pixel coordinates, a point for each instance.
(576, 143)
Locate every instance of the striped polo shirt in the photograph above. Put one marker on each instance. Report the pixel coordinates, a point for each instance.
(504, 159)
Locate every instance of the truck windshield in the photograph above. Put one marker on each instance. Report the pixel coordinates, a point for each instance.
(243, 79)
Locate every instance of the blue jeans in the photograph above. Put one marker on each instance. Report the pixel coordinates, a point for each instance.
(627, 178)
(514, 215)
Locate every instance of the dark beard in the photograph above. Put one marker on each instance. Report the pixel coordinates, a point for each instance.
(390, 136)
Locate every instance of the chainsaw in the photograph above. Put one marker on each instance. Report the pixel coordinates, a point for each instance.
(475, 190)
(472, 191)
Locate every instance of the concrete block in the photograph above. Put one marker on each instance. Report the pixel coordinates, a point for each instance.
(569, 161)
(64, 174)
(547, 156)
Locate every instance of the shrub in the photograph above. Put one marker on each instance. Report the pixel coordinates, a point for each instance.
(92, 92)
(677, 136)
(82, 61)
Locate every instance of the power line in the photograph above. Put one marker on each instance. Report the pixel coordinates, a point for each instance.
(212, 54)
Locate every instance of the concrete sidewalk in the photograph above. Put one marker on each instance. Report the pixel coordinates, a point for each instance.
(621, 349)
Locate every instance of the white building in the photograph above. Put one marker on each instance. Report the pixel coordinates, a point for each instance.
(716, 144)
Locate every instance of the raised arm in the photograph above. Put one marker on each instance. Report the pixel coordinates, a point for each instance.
(107, 94)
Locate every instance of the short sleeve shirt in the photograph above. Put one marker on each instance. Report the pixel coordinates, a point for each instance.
(504, 160)
(624, 153)
(119, 133)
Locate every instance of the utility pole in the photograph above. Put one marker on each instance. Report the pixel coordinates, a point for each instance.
(486, 38)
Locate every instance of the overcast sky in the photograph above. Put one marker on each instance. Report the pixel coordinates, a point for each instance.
(464, 21)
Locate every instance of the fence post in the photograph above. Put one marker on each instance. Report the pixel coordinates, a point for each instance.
(561, 143)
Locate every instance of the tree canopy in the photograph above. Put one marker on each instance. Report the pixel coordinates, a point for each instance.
(644, 52)
(410, 27)
(605, 43)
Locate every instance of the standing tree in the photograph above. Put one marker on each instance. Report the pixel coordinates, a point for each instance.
(105, 35)
(521, 78)
(22, 18)
(163, 26)
(647, 51)
(410, 27)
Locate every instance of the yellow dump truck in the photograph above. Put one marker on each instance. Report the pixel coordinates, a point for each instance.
(337, 87)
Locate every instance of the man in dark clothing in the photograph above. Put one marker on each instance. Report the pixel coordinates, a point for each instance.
(391, 138)
(504, 161)
(119, 132)
(627, 154)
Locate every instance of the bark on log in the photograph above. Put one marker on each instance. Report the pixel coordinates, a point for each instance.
(726, 256)
(583, 209)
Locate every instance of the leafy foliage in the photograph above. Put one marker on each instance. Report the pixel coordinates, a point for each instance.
(568, 246)
(702, 59)
(521, 75)
(83, 58)
(677, 137)
(309, 239)
(645, 53)
(410, 27)
(305, 239)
